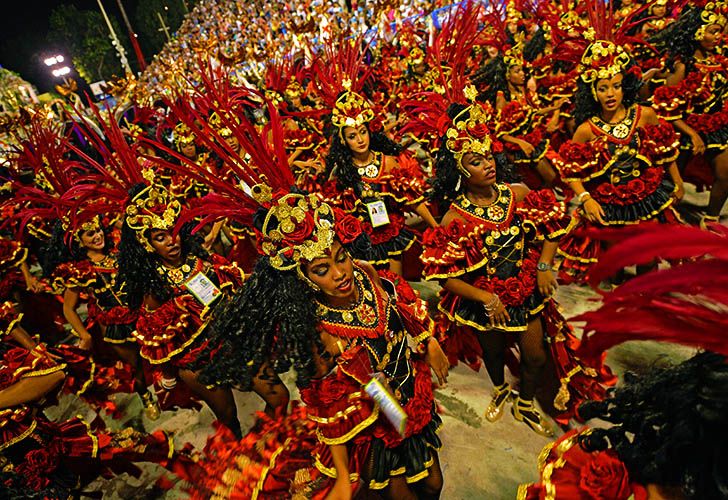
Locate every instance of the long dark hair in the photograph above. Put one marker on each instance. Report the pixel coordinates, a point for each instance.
(586, 106)
(339, 160)
(271, 319)
(138, 267)
(444, 183)
(678, 39)
(57, 251)
(670, 427)
(494, 75)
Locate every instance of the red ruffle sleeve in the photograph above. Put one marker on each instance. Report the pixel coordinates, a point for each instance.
(337, 403)
(405, 183)
(542, 210)
(229, 275)
(19, 422)
(660, 143)
(513, 119)
(166, 332)
(452, 251)
(581, 162)
(11, 253)
(78, 274)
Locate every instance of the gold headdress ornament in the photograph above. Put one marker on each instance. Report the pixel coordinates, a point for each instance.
(471, 131)
(712, 13)
(602, 59)
(216, 122)
(183, 135)
(351, 109)
(512, 13)
(296, 228)
(92, 225)
(293, 89)
(415, 56)
(514, 55)
(151, 209)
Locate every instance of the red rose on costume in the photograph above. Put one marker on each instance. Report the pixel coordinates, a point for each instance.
(528, 268)
(375, 126)
(347, 227)
(302, 230)
(636, 187)
(512, 291)
(496, 147)
(456, 230)
(605, 478)
(651, 176)
(435, 237)
(479, 131)
(543, 199)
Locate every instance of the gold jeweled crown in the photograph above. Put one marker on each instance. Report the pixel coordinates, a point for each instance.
(216, 122)
(151, 208)
(183, 135)
(712, 13)
(296, 228)
(602, 59)
(293, 89)
(471, 132)
(351, 109)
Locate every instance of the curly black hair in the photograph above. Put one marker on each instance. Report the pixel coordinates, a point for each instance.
(678, 39)
(57, 251)
(494, 75)
(339, 160)
(586, 106)
(444, 183)
(535, 46)
(670, 427)
(138, 267)
(271, 319)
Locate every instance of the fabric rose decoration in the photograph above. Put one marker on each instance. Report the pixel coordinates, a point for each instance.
(435, 237)
(347, 227)
(605, 478)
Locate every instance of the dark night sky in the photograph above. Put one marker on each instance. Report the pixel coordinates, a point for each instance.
(23, 39)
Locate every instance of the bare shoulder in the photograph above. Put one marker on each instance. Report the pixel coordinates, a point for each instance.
(647, 116)
(583, 133)
(520, 191)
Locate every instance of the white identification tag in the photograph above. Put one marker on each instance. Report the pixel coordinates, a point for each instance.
(388, 404)
(378, 213)
(203, 289)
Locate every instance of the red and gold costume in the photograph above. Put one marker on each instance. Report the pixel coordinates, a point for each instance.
(49, 457)
(401, 189)
(569, 471)
(106, 298)
(173, 332)
(376, 333)
(496, 248)
(625, 171)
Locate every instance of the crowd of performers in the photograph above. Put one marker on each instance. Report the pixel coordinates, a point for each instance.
(222, 237)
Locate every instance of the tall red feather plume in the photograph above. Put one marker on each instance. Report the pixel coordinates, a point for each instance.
(339, 60)
(41, 148)
(686, 304)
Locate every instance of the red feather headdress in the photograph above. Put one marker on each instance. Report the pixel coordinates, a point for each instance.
(686, 304)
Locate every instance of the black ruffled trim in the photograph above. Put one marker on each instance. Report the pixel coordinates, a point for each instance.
(715, 141)
(649, 208)
(383, 252)
(411, 458)
(473, 313)
(120, 333)
(538, 152)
